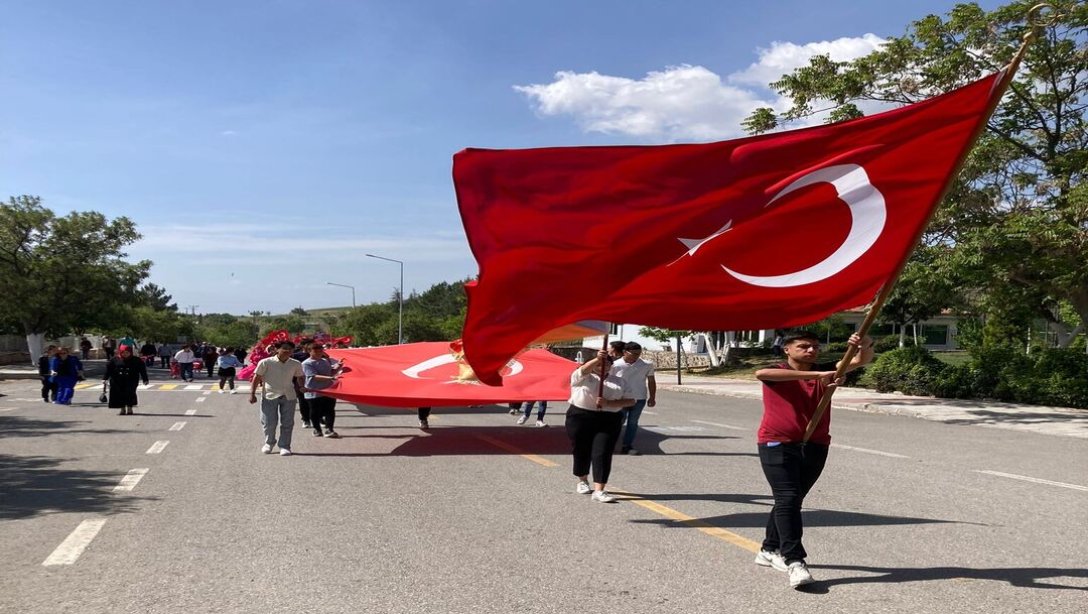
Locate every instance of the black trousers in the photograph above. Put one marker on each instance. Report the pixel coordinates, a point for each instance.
(423, 413)
(49, 389)
(322, 409)
(593, 436)
(791, 470)
(303, 407)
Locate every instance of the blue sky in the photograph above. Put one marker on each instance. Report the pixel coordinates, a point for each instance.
(264, 147)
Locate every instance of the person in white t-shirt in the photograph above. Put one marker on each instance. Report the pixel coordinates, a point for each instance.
(185, 358)
(594, 422)
(276, 377)
(640, 374)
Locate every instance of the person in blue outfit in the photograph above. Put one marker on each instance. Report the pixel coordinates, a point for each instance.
(527, 410)
(65, 370)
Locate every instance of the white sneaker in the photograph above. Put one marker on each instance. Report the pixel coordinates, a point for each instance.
(540, 423)
(799, 574)
(522, 420)
(602, 496)
(583, 488)
(234, 391)
(266, 448)
(771, 559)
(220, 391)
(285, 452)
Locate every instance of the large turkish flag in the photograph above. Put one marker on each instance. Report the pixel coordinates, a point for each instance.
(762, 232)
(426, 375)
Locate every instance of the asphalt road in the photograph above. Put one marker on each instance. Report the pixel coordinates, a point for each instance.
(478, 515)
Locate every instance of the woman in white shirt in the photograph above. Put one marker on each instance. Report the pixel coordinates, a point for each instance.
(593, 423)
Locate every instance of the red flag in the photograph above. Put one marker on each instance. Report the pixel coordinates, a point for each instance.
(428, 375)
(762, 232)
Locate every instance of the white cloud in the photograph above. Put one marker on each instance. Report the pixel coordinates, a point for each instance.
(784, 57)
(681, 102)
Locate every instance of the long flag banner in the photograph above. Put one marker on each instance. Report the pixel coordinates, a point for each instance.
(768, 231)
(430, 375)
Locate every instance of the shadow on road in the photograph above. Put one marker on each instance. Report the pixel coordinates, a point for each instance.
(35, 485)
(493, 440)
(812, 518)
(1024, 577)
(982, 416)
(18, 426)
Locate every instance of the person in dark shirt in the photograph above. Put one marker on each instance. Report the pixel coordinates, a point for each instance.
(49, 389)
(124, 372)
(791, 392)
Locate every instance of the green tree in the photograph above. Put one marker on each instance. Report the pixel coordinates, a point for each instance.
(1015, 224)
(155, 297)
(63, 274)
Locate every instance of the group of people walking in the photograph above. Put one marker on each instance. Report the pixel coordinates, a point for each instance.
(285, 381)
(791, 463)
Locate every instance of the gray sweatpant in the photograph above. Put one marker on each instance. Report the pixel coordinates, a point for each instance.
(278, 411)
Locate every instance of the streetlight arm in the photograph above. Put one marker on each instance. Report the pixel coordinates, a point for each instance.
(400, 297)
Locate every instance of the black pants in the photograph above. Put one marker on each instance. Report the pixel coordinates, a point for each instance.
(165, 360)
(791, 470)
(226, 374)
(423, 413)
(593, 435)
(303, 407)
(322, 409)
(49, 389)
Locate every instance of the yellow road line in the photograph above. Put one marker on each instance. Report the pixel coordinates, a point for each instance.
(540, 460)
(85, 385)
(691, 521)
(168, 386)
(653, 506)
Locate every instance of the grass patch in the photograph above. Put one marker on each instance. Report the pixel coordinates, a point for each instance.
(953, 358)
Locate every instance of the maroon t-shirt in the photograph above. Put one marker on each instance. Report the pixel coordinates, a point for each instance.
(788, 406)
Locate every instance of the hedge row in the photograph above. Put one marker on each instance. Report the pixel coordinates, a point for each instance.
(1049, 377)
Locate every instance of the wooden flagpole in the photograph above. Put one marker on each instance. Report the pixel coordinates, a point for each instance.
(600, 385)
(1036, 25)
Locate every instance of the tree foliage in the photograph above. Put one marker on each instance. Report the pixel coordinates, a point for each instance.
(1013, 232)
(65, 274)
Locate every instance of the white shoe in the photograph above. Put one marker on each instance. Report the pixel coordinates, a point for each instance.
(266, 448)
(771, 559)
(540, 423)
(583, 488)
(522, 420)
(799, 574)
(220, 391)
(285, 452)
(234, 391)
(602, 496)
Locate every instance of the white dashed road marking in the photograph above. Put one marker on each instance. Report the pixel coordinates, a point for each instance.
(178, 426)
(201, 399)
(131, 479)
(207, 392)
(1013, 476)
(158, 446)
(724, 426)
(190, 412)
(74, 545)
(195, 387)
(868, 451)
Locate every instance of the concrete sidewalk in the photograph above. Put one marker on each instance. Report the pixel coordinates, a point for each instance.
(1060, 421)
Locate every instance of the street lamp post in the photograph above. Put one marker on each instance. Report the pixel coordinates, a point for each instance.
(346, 286)
(400, 296)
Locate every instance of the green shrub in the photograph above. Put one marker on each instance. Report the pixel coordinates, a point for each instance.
(912, 370)
(954, 382)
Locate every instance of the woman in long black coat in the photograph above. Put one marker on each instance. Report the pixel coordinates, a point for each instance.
(124, 372)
